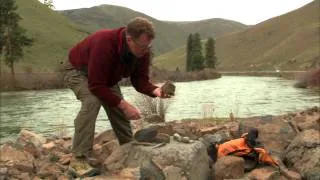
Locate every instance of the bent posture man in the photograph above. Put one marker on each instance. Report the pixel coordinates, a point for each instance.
(93, 71)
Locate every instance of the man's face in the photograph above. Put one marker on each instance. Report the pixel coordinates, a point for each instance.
(140, 46)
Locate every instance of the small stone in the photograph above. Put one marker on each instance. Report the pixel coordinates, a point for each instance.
(65, 159)
(168, 88)
(48, 146)
(185, 139)
(177, 137)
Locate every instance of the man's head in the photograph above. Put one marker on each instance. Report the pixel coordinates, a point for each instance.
(140, 33)
(252, 137)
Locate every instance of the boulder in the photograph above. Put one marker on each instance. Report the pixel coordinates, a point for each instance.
(172, 172)
(189, 159)
(50, 171)
(274, 133)
(216, 138)
(18, 159)
(303, 154)
(32, 149)
(104, 137)
(265, 173)
(101, 152)
(307, 122)
(26, 136)
(209, 130)
(228, 167)
(48, 146)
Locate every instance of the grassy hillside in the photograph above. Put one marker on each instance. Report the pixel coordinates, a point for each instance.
(170, 35)
(288, 42)
(53, 35)
(215, 27)
(109, 16)
(173, 60)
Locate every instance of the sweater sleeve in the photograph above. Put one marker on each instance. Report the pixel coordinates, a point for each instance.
(99, 66)
(140, 77)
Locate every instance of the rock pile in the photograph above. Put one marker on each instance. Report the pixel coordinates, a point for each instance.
(294, 139)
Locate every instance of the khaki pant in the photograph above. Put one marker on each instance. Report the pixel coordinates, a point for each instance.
(85, 121)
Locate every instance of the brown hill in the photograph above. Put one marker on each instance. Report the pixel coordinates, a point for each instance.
(214, 27)
(170, 35)
(287, 42)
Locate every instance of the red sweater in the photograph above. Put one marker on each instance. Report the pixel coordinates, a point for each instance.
(105, 58)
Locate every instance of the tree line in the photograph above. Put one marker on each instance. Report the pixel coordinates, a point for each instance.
(195, 60)
(13, 37)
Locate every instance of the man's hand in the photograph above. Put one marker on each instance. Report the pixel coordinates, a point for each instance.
(158, 92)
(130, 111)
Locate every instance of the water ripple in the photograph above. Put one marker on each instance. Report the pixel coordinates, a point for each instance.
(52, 111)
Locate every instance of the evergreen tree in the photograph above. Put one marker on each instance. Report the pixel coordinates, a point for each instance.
(12, 36)
(189, 53)
(197, 60)
(210, 58)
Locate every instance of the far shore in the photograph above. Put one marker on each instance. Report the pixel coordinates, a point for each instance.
(284, 74)
(54, 80)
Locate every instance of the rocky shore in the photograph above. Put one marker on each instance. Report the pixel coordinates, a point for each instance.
(292, 139)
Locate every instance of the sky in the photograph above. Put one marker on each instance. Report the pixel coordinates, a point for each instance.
(248, 12)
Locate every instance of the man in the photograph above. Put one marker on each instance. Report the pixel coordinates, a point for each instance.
(95, 66)
(246, 146)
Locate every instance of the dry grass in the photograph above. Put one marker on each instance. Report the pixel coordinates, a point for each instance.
(30, 81)
(309, 79)
(161, 75)
(62, 129)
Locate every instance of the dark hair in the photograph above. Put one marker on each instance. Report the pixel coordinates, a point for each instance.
(138, 26)
(251, 137)
(212, 152)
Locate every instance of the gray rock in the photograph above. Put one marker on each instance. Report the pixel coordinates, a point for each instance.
(303, 151)
(191, 158)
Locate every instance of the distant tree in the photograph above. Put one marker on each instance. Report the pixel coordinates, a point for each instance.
(189, 53)
(49, 3)
(12, 36)
(210, 57)
(197, 59)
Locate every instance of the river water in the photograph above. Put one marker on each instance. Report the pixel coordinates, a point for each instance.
(53, 111)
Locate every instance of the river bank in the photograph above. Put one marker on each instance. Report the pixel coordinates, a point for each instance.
(292, 139)
(54, 80)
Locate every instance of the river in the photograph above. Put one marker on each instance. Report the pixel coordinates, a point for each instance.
(53, 111)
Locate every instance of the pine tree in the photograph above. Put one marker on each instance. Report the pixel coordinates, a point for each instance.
(189, 53)
(210, 58)
(12, 36)
(197, 60)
